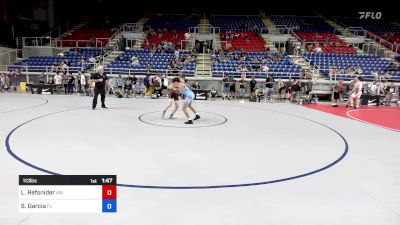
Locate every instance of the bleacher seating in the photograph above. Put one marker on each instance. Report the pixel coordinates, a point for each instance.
(284, 68)
(393, 38)
(374, 26)
(239, 23)
(85, 34)
(303, 24)
(173, 22)
(100, 28)
(247, 41)
(328, 42)
(168, 36)
(382, 28)
(368, 63)
(160, 62)
(43, 63)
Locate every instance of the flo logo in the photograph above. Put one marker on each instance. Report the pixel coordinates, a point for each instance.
(370, 15)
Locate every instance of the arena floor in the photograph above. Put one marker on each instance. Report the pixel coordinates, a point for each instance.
(240, 164)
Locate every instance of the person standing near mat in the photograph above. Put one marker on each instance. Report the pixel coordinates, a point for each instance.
(100, 80)
(355, 93)
(335, 94)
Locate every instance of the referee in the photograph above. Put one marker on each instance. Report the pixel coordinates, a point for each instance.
(100, 80)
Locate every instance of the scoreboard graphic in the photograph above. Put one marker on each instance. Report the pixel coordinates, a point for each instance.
(68, 193)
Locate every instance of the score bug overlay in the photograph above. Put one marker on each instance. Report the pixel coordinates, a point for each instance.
(68, 193)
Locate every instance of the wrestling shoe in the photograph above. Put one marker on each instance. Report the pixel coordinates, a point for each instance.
(197, 117)
(171, 117)
(189, 122)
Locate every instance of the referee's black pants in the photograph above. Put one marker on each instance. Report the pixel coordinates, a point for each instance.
(102, 93)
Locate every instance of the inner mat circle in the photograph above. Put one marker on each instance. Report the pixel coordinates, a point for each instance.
(207, 119)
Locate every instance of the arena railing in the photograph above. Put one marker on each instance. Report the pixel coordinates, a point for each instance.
(54, 42)
(97, 43)
(249, 74)
(314, 68)
(367, 48)
(357, 31)
(360, 31)
(129, 27)
(38, 41)
(381, 41)
(47, 39)
(219, 42)
(378, 77)
(283, 29)
(189, 44)
(29, 71)
(44, 39)
(10, 57)
(48, 69)
(130, 71)
(211, 28)
(58, 31)
(295, 35)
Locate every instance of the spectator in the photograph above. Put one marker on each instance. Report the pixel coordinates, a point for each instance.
(243, 71)
(58, 80)
(54, 68)
(358, 71)
(305, 74)
(355, 93)
(342, 89)
(156, 84)
(135, 61)
(335, 94)
(65, 82)
(389, 91)
(2, 82)
(242, 88)
(120, 83)
(146, 83)
(138, 89)
(70, 83)
(15, 80)
(391, 67)
(281, 87)
(176, 53)
(5, 82)
(253, 84)
(259, 92)
(148, 68)
(265, 68)
(349, 70)
(225, 87)
(128, 87)
(51, 80)
(288, 88)
(269, 88)
(232, 88)
(7, 86)
(296, 87)
(196, 86)
(134, 80)
(82, 78)
(318, 49)
(213, 92)
(64, 67)
(92, 59)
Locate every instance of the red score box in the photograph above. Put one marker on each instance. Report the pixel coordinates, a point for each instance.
(109, 192)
